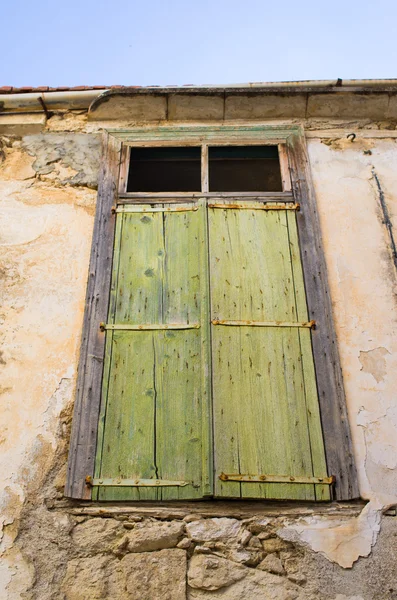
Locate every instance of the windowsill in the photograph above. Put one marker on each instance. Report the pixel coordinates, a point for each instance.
(212, 508)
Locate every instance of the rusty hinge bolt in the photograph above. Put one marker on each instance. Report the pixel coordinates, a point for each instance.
(88, 480)
(113, 210)
(102, 326)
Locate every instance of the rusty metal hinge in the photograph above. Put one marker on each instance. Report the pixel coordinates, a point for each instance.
(252, 206)
(276, 479)
(127, 208)
(307, 324)
(117, 482)
(148, 326)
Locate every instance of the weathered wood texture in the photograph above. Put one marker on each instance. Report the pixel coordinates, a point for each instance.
(338, 447)
(86, 411)
(154, 389)
(266, 416)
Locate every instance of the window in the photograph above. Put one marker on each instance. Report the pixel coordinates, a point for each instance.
(201, 374)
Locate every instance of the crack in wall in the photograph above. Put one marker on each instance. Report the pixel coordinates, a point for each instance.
(386, 217)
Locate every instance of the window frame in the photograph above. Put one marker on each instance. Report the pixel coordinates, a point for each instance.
(296, 178)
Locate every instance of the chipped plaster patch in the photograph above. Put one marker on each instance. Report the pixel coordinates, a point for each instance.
(342, 542)
(374, 362)
(77, 151)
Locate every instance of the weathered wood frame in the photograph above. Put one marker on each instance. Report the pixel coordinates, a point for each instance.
(113, 176)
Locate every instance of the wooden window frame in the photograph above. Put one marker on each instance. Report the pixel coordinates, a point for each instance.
(296, 179)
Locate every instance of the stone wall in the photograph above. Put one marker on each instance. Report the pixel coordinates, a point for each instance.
(55, 549)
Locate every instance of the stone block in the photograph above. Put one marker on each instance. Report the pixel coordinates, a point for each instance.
(146, 537)
(274, 545)
(344, 105)
(257, 585)
(85, 579)
(213, 572)
(185, 107)
(269, 106)
(149, 576)
(216, 529)
(22, 124)
(272, 564)
(139, 107)
(97, 535)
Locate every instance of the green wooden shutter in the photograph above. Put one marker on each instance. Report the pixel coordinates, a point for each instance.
(154, 437)
(266, 416)
(154, 424)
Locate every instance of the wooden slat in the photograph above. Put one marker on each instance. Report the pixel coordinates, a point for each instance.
(338, 446)
(86, 411)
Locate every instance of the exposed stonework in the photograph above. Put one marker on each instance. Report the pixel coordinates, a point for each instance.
(70, 158)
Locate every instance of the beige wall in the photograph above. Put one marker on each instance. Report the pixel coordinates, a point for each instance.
(47, 208)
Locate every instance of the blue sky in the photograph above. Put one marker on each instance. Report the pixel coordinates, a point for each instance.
(154, 42)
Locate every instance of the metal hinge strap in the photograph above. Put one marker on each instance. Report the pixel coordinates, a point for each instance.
(308, 324)
(276, 479)
(140, 209)
(252, 206)
(149, 326)
(115, 482)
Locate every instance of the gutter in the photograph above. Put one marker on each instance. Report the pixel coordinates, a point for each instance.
(44, 102)
(10, 103)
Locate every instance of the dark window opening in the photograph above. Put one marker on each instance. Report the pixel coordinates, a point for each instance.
(244, 169)
(164, 170)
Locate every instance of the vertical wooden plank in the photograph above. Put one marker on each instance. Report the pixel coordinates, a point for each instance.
(178, 364)
(129, 443)
(204, 168)
(312, 404)
(124, 168)
(206, 370)
(86, 411)
(129, 432)
(338, 446)
(108, 348)
(284, 167)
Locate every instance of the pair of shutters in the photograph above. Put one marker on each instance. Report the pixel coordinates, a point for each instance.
(209, 377)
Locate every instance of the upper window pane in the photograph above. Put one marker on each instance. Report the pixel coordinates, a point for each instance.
(165, 170)
(244, 169)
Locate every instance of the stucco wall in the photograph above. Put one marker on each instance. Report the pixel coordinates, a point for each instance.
(48, 198)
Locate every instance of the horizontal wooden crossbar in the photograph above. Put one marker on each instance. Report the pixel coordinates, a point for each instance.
(276, 479)
(108, 482)
(148, 326)
(251, 206)
(308, 324)
(142, 209)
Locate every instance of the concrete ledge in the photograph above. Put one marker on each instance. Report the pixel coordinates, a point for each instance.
(22, 124)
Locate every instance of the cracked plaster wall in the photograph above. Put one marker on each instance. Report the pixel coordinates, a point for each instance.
(48, 199)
